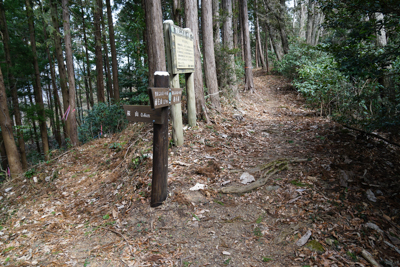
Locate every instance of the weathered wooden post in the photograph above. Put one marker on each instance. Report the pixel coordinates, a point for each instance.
(176, 110)
(159, 184)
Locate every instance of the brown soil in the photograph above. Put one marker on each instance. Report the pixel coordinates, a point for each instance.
(90, 207)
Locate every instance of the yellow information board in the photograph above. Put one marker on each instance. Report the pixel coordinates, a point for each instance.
(182, 50)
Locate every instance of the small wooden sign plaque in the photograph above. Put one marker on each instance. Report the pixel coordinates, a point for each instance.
(164, 97)
(142, 114)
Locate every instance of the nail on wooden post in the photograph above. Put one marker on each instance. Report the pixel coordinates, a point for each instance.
(159, 184)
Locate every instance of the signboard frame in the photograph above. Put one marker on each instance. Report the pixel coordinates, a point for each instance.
(179, 36)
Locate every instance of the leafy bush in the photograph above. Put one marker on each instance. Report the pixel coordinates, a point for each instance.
(366, 103)
(102, 118)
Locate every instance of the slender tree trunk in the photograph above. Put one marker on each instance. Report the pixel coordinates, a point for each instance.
(266, 49)
(258, 39)
(273, 43)
(107, 69)
(316, 25)
(7, 132)
(38, 87)
(235, 26)
(113, 52)
(217, 39)
(228, 43)
(73, 131)
(99, 56)
(57, 134)
(241, 29)
(310, 20)
(302, 32)
(88, 68)
(249, 85)
(34, 135)
(60, 63)
(210, 71)
(176, 12)
(13, 85)
(191, 17)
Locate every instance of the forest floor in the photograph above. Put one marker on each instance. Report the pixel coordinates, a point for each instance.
(336, 189)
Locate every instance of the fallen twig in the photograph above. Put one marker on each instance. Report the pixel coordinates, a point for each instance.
(373, 135)
(121, 235)
(369, 258)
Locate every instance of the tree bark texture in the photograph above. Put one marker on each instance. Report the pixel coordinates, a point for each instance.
(210, 71)
(191, 17)
(258, 39)
(7, 132)
(249, 84)
(38, 87)
(155, 39)
(113, 52)
(177, 12)
(88, 78)
(73, 132)
(217, 39)
(310, 20)
(107, 69)
(98, 53)
(60, 62)
(13, 85)
(228, 44)
(302, 19)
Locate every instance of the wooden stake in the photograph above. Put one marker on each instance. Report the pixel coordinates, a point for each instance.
(159, 184)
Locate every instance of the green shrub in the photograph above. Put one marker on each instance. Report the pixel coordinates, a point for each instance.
(108, 119)
(358, 101)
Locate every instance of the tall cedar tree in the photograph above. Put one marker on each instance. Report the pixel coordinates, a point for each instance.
(113, 52)
(228, 44)
(38, 86)
(7, 132)
(210, 71)
(60, 62)
(98, 53)
(249, 85)
(192, 22)
(73, 132)
(12, 82)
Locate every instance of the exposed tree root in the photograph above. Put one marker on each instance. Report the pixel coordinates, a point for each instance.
(268, 170)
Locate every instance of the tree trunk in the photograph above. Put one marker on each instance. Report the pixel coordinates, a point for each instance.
(98, 53)
(266, 49)
(230, 73)
(13, 85)
(106, 61)
(57, 134)
(88, 78)
(249, 85)
(3, 154)
(73, 132)
(217, 39)
(38, 87)
(191, 17)
(241, 30)
(381, 40)
(310, 20)
(176, 10)
(274, 44)
(60, 63)
(302, 32)
(7, 132)
(210, 71)
(316, 26)
(258, 39)
(155, 39)
(34, 135)
(113, 52)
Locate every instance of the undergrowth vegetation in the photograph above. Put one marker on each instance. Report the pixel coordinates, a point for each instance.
(102, 119)
(366, 102)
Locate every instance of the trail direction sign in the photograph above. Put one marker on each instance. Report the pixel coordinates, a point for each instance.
(164, 97)
(142, 114)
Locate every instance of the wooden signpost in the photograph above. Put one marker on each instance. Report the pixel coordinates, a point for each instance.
(161, 97)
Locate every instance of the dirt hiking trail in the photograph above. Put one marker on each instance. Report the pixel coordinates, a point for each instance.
(330, 196)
